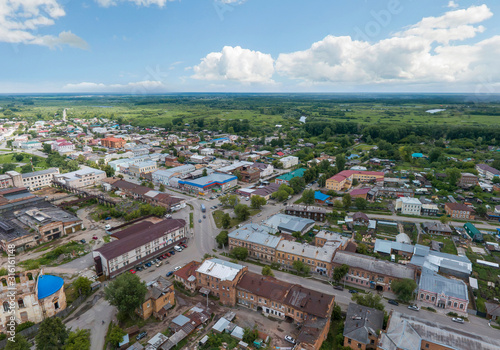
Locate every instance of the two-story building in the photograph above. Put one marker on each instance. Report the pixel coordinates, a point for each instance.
(84, 177)
(362, 327)
(319, 259)
(142, 168)
(306, 211)
(159, 298)
(257, 239)
(408, 206)
(343, 180)
(459, 211)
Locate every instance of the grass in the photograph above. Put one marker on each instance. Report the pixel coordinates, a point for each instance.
(50, 258)
(448, 247)
(217, 214)
(191, 220)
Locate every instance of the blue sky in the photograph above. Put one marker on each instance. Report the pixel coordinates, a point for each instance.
(154, 46)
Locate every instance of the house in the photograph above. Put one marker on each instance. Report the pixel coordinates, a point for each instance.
(408, 206)
(454, 265)
(362, 327)
(36, 296)
(207, 151)
(473, 232)
(360, 219)
(360, 192)
(323, 237)
(11, 179)
(437, 228)
(84, 177)
(159, 298)
(249, 174)
(306, 211)
(220, 278)
(492, 311)
(319, 259)
(459, 211)
(285, 178)
(216, 182)
(368, 271)
(289, 161)
(266, 191)
(321, 198)
(429, 209)
(387, 247)
(344, 179)
(468, 180)
(487, 171)
(442, 292)
(163, 176)
(187, 275)
(113, 142)
(63, 146)
(289, 224)
(39, 179)
(258, 239)
(407, 331)
(146, 167)
(265, 169)
(137, 244)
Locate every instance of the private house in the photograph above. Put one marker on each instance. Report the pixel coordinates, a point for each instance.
(289, 161)
(187, 275)
(343, 180)
(220, 278)
(362, 327)
(321, 198)
(459, 211)
(159, 298)
(360, 219)
(285, 178)
(492, 311)
(473, 232)
(368, 271)
(442, 292)
(437, 228)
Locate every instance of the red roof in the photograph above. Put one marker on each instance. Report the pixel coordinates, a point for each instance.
(359, 191)
(112, 139)
(347, 173)
(458, 206)
(188, 270)
(280, 154)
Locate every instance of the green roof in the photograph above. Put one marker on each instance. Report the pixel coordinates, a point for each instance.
(296, 173)
(471, 229)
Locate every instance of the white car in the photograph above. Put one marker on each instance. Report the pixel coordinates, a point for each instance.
(458, 320)
(289, 339)
(413, 307)
(107, 227)
(177, 248)
(177, 268)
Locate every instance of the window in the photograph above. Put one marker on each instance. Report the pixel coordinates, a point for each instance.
(348, 341)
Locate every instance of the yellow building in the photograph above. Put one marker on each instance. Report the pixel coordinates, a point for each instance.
(159, 299)
(343, 180)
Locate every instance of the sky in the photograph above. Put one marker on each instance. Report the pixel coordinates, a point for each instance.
(167, 46)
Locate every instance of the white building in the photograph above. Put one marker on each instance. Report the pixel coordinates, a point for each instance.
(409, 206)
(289, 161)
(39, 179)
(30, 145)
(84, 177)
(265, 169)
(163, 176)
(63, 147)
(207, 152)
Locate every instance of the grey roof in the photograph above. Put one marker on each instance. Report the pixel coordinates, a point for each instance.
(385, 246)
(361, 322)
(332, 236)
(289, 223)
(406, 332)
(41, 172)
(437, 226)
(324, 253)
(432, 282)
(433, 260)
(372, 264)
(258, 234)
(180, 320)
(220, 325)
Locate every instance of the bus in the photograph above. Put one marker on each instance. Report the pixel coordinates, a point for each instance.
(203, 208)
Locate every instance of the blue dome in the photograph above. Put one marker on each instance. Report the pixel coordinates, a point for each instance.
(48, 285)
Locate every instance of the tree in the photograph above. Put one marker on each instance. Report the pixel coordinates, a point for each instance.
(404, 288)
(82, 285)
(222, 239)
(47, 148)
(297, 184)
(204, 172)
(444, 219)
(355, 182)
(7, 167)
(360, 203)
(151, 185)
(19, 343)
(257, 202)
(454, 175)
(126, 293)
(250, 335)
(346, 201)
(267, 271)
(322, 181)
(26, 169)
(308, 197)
(229, 200)
(496, 179)
(242, 212)
(481, 210)
(115, 336)
(19, 157)
(73, 165)
(162, 188)
(369, 300)
(339, 272)
(434, 155)
(226, 220)
(78, 340)
(51, 335)
(300, 267)
(240, 253)
(340, 162)
(110, 172)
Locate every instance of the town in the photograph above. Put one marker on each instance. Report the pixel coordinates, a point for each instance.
(307, 235)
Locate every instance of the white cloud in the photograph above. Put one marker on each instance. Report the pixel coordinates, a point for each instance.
(20, 21)
(236, 63)
(423, 53)
(140, 87)
(108, 3)
(452, 4)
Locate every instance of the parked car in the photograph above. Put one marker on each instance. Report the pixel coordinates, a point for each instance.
(159, 264)
(199, 220)
(168, 255)
(458, 320)
(338, 287)
(132, 271)
(108, 218)
(353, 291)
(139, 268)
(169, 273)
(141, 335)
(148, 264)
(177, 268)
(172, 252)
(107, 227)
(160, 258)
(184, 245)
(414, 307)
(95, 237)
(179, 249)
(204, 216)
(83, 241)
(289, 339)
(393, 302)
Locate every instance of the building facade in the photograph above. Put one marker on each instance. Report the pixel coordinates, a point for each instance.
(113, 142)
(459, 211)
(84, 177)
(343, 180)
(308, 212)
(257, 239)
(39, 179)
(409, 206)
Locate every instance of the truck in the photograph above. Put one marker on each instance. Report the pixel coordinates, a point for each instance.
(203, 209)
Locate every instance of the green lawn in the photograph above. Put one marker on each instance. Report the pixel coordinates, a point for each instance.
(448, 246)
(217, 214)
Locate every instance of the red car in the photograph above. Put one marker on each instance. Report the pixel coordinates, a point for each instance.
(184, 245)
(132, 271)
(164, 256)
(95, 237)
(168, 254)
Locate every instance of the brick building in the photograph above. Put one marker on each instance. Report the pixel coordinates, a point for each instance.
(113, 142)
(362, 326)
(459, 211)
(159, 298)
(343, 180)
(308, 212)
(468, 180)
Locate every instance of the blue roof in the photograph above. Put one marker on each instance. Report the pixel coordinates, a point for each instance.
(417, 155)
(209, 180)
(320, 196)
(180, 320)
(48, 285)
